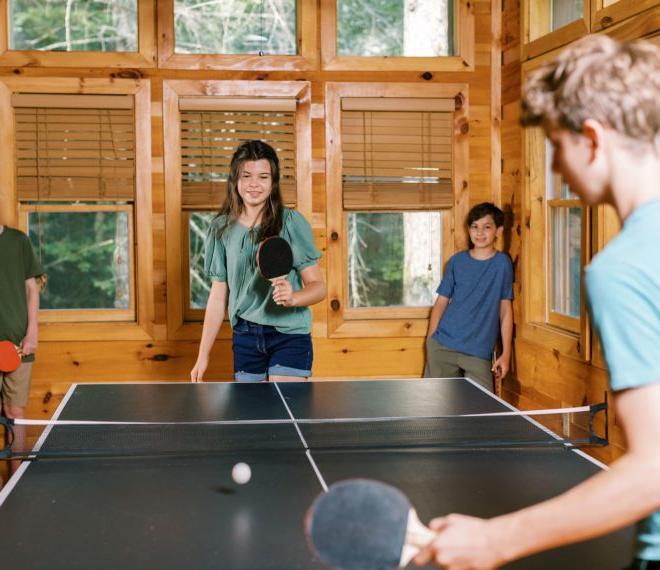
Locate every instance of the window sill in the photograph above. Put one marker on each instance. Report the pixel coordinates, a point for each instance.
(558, 340)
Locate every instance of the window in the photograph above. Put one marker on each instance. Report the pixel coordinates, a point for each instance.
(557, 246)
(87, 253)
(58, 25)
(80, 187)
(75, 178)
(549, 24)
(245, 26)
(432, 35)
(395, 28)
(198, 284)
(120, 33)
(203, 132)
(238, 34)
(607, 13)
(564, 247)
(399, 160)
(551, 15)
(394, 258)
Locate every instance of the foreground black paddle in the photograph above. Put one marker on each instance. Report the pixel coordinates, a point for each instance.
(360, 524)
(274, 258)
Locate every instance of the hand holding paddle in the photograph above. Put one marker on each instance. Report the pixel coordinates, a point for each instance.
(275, 261)
(10, 356)
(365, 524)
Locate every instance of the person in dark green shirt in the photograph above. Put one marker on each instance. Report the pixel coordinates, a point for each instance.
(271, 324)
(19, 306)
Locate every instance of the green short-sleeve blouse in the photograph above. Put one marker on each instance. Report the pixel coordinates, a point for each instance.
(231, 258)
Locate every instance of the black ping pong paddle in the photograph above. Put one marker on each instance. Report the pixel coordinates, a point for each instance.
(274, 258)
(366, 525)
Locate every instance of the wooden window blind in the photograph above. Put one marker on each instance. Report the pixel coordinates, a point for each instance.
(397, 153)
(74, 147)
(212, 128)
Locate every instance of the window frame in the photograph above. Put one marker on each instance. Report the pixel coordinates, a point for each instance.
(87, 315)
(306, 60)
(464, 34)
(142, 325)
(189, 314)
(178, 313)
(603, 17)
(531, 48)
(536, 327)
(554, 318)
(144, 57)
(342, 321)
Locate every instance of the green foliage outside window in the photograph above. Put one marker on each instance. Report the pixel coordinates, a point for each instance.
(200, 285)
(86, 258)
(235, 26)
(68, 25)
(395, 27)
(394, 258)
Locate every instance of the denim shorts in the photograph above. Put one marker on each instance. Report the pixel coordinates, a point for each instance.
(261, 351)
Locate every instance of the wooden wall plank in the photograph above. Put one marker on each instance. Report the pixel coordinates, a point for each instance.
(64, 359)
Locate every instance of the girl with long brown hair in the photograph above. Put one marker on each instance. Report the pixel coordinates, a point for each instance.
(271, 324)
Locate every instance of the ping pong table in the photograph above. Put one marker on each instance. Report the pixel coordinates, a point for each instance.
(166, 512)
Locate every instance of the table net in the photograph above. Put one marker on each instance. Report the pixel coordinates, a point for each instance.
(570, 427)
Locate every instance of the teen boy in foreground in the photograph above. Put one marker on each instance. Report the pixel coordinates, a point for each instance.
(599, 104)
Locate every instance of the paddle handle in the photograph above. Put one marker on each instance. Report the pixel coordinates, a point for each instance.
(417, 537)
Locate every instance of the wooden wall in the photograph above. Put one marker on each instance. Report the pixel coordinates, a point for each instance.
(94, 359)
(546, 374)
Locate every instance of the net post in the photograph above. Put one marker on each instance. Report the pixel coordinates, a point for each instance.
(593, 410)
(8, 439)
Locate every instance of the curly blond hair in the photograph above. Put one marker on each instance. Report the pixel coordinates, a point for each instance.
(615, 83)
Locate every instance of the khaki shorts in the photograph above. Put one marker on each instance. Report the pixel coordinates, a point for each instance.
(15, 389)
(442, 362)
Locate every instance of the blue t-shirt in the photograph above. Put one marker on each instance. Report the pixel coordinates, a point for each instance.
(623, 287)
(471, 321)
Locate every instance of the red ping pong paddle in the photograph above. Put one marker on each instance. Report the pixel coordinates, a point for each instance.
(10, 358)
(365, 524)
(274, 258)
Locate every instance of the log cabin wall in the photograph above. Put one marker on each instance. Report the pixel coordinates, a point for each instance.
(164, 350)
(553, 366)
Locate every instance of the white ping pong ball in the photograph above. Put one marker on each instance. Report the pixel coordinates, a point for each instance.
(241, 473)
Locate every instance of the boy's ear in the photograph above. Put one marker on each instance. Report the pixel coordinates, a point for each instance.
(595, 134)
(499, 231)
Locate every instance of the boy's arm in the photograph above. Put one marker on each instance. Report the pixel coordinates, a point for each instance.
(608, 501)
(501, 365)
(29, 343)
(436, 314)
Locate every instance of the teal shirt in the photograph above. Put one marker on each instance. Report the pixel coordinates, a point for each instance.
(623, 286)
(231, 258)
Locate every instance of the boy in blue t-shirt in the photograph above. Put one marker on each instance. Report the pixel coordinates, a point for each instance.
(473, 306)
(599, 105)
